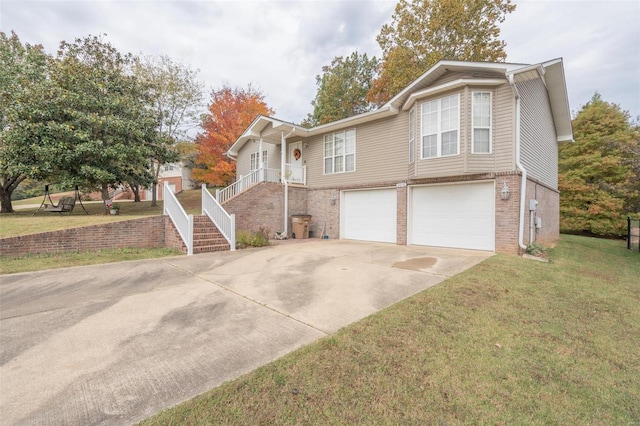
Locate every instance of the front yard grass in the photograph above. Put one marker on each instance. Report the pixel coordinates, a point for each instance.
(510, 341)
(23, 223)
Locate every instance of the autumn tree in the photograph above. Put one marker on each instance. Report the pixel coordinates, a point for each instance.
(176, 94)
(423, 32)
(342, 89)
(229, 114)
(24, 89)
(599, 172)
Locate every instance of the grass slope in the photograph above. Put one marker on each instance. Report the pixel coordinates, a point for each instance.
(510, 341)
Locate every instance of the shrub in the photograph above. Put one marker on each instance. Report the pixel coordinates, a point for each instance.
(246, 239)
(536, 249)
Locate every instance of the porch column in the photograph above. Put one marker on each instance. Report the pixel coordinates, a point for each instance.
(261, 162)
(283, 158)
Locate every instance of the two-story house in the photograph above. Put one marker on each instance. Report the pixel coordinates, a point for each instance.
(466, 157)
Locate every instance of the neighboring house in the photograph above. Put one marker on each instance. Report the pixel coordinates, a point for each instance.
(466, 156)
(177, 175)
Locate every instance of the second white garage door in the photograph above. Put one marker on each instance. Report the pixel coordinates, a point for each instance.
(369, 215)
(459, 216)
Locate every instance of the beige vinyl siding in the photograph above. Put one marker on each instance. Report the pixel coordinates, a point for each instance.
(444, 166)
(381, 155)
(502, 132)
(539, 150)
(243, 166)
(457, 75)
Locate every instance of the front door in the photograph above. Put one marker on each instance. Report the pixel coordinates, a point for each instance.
(295, 170)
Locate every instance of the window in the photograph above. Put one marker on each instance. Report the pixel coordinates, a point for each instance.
(255, 160)
(340, 152)
(169, 167)
(412, 135)
(440, 127)
(481, 133)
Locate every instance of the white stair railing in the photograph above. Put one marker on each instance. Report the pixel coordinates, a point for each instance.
(239, 186)
(225, 222)
(182, 221)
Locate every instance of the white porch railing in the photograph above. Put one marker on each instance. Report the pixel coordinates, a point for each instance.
(182, 221)
(294, 174)
(225, 222)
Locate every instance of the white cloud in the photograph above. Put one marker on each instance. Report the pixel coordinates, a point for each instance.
(280, 46)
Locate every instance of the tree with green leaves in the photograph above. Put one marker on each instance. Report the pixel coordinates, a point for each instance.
(24, 89)
(105, 130)
(599, 172)
(176, 94)
(423, 32)
(342, 89)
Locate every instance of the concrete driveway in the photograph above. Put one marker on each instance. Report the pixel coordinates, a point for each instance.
(114, 344)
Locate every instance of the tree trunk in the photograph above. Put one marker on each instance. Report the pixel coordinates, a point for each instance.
(105, 196)
(155, 166)
(7, 186)
(135, 188)
(5, 201)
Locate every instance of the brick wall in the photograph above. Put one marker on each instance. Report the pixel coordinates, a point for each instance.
(324, 205)
(507, 213)
(401, 227)
(548, 210)
(148, 232)
(260, 207)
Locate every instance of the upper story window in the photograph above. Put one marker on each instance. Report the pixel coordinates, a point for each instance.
(481, 132)
(441, 127)
(340, 152)
(169, 167)
(255, 160)
(412, 135)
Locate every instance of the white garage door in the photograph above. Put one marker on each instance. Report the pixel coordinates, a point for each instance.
(460, 216)
(369, 215)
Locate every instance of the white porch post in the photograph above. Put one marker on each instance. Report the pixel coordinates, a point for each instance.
(283, 158)
(261, 161)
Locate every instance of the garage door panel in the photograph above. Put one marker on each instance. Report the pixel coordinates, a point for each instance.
(460, 216)
(370, 215)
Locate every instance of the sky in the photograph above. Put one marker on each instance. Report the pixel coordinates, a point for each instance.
(279, 47)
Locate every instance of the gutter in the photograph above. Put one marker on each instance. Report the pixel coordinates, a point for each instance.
(519, 166)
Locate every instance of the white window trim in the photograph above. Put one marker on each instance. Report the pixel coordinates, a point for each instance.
(344, 153)
(473, 126)
(255, 159)
(412, 135)
(439, 131)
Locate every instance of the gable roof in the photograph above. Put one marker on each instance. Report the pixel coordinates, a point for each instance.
(552, 72)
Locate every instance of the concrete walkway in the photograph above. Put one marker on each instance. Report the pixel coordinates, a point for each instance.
(114, 344)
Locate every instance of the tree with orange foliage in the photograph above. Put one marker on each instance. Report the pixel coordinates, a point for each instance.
(230, 113)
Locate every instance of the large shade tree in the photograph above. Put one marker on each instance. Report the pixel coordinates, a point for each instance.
(229, 114)
(176, 94)
(24, 92)
(342, 89)
(423, 32)
(599, 173)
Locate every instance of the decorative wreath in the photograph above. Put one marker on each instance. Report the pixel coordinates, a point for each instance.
(296, 154)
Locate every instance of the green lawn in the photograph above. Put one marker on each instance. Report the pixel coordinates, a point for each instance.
(22, 222)
(511, 341)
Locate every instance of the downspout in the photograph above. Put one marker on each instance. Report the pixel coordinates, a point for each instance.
(519, 166)
(283, 168)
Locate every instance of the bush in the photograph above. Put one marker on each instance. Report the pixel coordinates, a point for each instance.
(536, 249)
(246, 239)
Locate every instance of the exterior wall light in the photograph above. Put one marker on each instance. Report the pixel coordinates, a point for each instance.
(505, 193)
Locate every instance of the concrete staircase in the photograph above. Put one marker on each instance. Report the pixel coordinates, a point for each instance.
(207, 237)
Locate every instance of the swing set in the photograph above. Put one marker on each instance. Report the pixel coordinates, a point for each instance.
(65, 204)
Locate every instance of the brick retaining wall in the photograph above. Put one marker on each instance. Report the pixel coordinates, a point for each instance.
(148, 232)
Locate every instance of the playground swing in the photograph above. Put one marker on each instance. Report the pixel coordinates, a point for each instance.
(65, 205)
